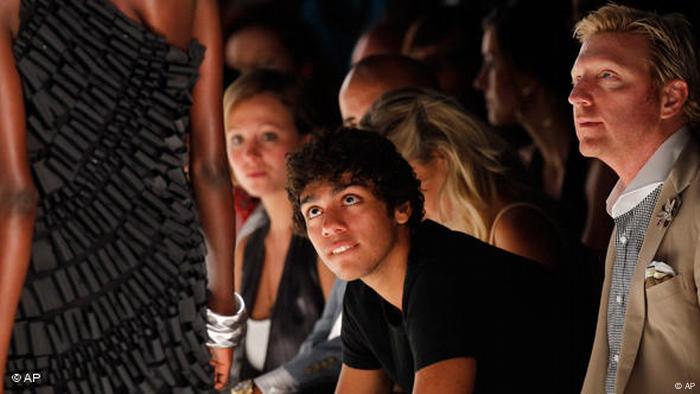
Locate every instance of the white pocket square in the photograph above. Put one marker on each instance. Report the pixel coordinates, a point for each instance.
(657, 272)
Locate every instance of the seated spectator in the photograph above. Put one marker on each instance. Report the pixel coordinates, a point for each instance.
(376, 75)
(467, 173)
(421, 309)
(383, 38)
(446, 39)
(261, 38)
(525, 80)
(258, 38)
(316, 367)
(278, 274)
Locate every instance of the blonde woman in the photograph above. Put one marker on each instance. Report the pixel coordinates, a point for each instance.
(467, 173)
(277, 273)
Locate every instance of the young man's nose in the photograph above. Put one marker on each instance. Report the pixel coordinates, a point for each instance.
(333, 223)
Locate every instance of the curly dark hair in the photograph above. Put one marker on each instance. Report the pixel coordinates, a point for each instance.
(349, 156)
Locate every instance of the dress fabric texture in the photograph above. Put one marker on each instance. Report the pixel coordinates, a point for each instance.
(115, 293)
(298, 304)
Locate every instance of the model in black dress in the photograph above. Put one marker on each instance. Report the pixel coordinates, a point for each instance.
(115, 291)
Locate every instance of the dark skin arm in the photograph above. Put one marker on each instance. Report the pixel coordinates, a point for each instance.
(180, 21)
(18, 196)
(209, 171)
(210, 176)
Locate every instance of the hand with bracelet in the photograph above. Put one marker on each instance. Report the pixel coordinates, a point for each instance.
(224, 334)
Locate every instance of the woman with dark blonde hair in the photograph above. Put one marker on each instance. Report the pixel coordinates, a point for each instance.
(467, 173)
(277, 272)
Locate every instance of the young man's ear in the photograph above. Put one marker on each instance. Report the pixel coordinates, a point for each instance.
(402, 213)
(673, 97)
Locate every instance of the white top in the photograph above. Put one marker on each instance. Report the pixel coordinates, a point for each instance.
(337, 325)
(256, 338)
(622, 199)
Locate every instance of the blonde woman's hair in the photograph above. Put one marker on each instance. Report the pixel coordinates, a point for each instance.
(671, 45)
(422, 124)
(286, 88)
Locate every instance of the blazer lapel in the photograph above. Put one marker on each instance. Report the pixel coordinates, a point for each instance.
(680, 177)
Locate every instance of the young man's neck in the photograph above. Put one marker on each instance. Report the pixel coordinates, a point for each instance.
(389, 277)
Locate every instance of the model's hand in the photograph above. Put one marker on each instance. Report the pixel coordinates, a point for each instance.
(221, 360)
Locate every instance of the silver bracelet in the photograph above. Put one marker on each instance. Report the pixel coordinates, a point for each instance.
(227, 331)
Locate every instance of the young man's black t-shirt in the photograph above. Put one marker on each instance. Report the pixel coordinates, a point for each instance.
(462, 298)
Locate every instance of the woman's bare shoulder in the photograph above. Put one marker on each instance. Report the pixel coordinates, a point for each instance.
(527, 230)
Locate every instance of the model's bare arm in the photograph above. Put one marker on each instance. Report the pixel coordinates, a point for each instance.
(210, 177)
(18, 196)
(208, 165)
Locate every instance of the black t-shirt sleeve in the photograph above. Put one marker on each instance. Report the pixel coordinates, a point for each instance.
(439, 322)
(356, 353)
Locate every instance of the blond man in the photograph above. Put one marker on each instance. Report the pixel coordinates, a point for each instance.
(635, 102)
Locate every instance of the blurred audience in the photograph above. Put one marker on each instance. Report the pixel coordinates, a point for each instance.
(382, 38)
(447, 40)
(376, 75)
(525, 79)
(261, 38)
(277, 273)
(468, 175)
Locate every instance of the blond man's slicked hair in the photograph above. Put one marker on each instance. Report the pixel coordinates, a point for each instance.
(671, 45)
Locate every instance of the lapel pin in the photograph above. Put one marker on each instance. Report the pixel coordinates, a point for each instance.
(669, 210)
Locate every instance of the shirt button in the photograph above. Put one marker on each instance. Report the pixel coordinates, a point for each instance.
(623, 240)
(618, 299)
(616, 358)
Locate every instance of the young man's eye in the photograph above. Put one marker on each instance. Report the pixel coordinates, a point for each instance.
(312, 212)
(350, 199)
(269, 136)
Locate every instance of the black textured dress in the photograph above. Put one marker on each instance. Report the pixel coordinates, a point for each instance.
(115, 292)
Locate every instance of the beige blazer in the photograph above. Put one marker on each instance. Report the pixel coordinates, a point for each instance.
(661, 338)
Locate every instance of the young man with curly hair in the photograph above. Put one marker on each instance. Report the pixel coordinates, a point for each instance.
(426, 308)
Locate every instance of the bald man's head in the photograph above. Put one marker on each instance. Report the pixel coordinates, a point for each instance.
(375, 75)
(383, 38)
